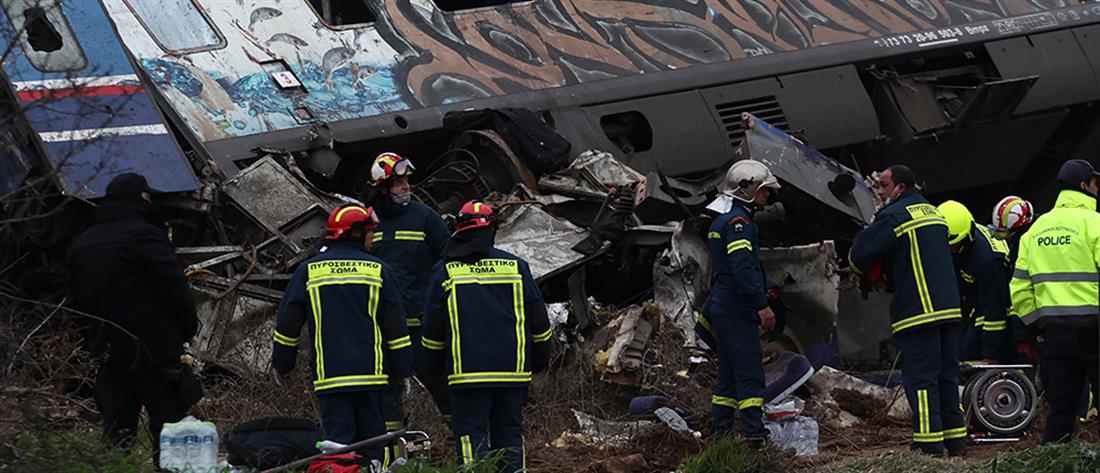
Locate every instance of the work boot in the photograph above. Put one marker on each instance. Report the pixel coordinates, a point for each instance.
(933, 449)
(955, 447)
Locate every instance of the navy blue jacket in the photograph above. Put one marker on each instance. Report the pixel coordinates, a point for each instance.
(910, 236)
(485, 321)
(409, 240)
(983, 279)
(355, 318)
(736, 276)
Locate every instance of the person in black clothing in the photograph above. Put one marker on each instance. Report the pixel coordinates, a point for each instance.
(123, 270)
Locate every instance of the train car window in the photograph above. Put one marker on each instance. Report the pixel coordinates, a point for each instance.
(44, 34)
(178, 26)
(343, 13)
(457, 5)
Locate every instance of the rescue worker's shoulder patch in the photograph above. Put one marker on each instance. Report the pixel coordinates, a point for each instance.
(738, 223)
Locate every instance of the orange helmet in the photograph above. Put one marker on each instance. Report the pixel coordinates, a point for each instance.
(474, 214)
(348, 217)
(388, 165)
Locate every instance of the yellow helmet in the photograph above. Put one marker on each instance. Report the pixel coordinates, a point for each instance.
(959, 221)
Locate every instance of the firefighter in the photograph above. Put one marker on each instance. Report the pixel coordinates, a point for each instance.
(909, 237)
(486, 326)
(360, 342)
(738, 304)
(982, 264)
(123, 270)
(1055, 290)
(409, 240)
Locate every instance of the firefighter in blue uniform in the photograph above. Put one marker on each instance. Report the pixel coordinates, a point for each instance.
(360, 341)
(738, 305)
(982, 263)
(409, 240)
(486, 324)
(909, 237)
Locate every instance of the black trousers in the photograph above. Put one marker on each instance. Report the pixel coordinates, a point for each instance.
(490, 420)
(350, 417)
(120, 394)
(739, 391)
(1069, 359)
(930, 373)
(394, 405)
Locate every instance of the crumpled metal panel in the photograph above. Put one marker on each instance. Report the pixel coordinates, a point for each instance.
(545, 242)
(809, 285)
(279, 201)
(803, 167)
(681, 276)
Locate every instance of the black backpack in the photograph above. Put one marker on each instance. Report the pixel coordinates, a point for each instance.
(273, 441)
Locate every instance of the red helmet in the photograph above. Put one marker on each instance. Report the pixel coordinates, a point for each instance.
(474, 214)
(350, 217)
(388, 165)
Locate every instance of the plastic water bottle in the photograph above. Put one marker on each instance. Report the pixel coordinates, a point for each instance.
(169, 457)
(189, 445)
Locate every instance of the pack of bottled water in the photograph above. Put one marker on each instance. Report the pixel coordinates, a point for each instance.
(189, 446)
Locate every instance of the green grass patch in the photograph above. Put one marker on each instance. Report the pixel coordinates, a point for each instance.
(77, 451)
(732, 456)
(1062, 458)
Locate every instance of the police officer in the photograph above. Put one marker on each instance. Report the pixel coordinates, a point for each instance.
(123, 269)
(409, 240)
(738, 304)
(486, 323)
(909, 237)
(982, 264)
(1055, 290)
(360, 341)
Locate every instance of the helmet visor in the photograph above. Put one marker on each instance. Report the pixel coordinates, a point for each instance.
(403, 168)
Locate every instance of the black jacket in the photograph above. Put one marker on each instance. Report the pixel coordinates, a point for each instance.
(124, 269)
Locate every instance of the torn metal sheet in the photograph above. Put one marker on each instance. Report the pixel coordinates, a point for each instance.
(808, 280)
(591, 175)
(544, 241)
(279, 201)
(681, 276)
(803, 167)
(235, 325)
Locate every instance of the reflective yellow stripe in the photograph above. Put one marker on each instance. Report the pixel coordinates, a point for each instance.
(392, 425)
(409, 235)
(521, 328)
(921, 319)
(523, 451)
(432, 344)
(852, 264)
(966, 276)
(490, 377)
(285, 340)
(751, 402)
(738, 245)
(714, 235)
(931, 437)
(995, 326)
(482, 280)
(399, 343)
(456, 344)
(918, 274)
(706, 325)
(386, 457)
(373, 307)
(922, 400)
(412, 322)
(377, 237)
(544, 336)
(318, 347)
(467, 450)
(724, 401)
(346, 381)
(979, 321)
(916, 223)
(958, 433)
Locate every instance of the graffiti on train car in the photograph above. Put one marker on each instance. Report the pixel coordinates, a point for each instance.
(415, 55)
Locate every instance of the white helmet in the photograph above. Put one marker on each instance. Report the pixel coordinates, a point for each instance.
(746, 177)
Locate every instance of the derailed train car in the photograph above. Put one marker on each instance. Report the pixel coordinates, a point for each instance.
(979, 96)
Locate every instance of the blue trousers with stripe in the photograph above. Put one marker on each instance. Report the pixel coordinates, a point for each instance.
(353, 416)
(740, 386)
(930, 373)
(490, 420)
